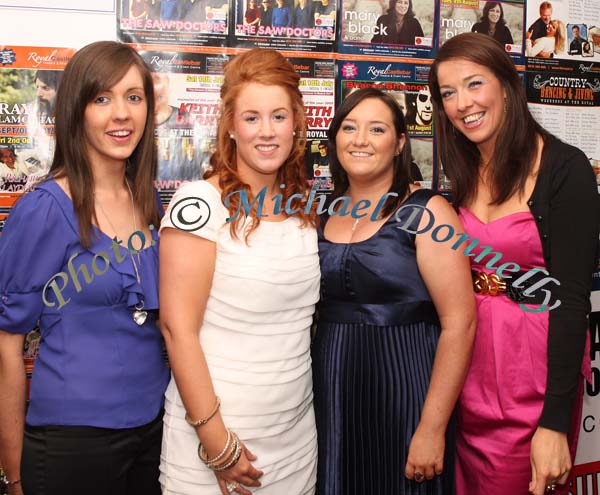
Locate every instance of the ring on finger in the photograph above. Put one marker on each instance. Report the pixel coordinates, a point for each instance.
(419, 477)
(551, 488)
(231, 487)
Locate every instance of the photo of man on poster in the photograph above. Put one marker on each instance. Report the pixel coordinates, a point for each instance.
(302, 15)
(46, 84)
(266, 13)
(575, 39)
(540, 26)
(324, 9)
(420, 108)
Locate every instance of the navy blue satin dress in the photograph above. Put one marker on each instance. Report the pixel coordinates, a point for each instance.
(372, 360)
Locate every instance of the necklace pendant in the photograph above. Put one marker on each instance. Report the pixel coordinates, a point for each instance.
(140, 316)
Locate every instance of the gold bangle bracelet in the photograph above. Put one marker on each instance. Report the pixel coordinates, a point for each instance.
(203, 421)
(203, 455)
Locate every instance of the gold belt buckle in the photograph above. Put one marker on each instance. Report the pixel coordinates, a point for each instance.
(488, 284)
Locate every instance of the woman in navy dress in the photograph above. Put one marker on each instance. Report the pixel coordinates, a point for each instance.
(391, 348)
(78, 255)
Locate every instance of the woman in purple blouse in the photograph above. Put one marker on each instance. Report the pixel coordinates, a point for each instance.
(79, 255)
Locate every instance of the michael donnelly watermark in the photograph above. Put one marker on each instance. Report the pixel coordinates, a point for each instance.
(195, 218)
(445, 232)
(97, 268)
(339, 206)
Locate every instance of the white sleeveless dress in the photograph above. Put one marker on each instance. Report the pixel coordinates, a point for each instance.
(256, 338)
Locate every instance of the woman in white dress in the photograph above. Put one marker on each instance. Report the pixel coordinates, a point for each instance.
(553, 42)
(237, 298)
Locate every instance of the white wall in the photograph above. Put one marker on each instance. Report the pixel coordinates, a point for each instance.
(60, 23)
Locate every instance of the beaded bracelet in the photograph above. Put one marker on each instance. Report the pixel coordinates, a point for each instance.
(236, 457)
(203, 421)
(5, 483)
(203, 455)
(230, 454)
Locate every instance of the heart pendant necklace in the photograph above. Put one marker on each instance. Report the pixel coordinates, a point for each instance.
(139, 315)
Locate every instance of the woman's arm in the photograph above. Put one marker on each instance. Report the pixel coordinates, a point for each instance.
(187, 264)
(532, 50)
(574, 225)
(12, 411)
(445, 271)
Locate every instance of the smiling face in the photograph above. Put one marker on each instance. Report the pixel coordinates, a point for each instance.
(473, 100)
(575, 32)
(366, 142)
(114, 120)
(546, 15)
(494, 14)
(424, 107)
(402, 7)
(262, 126)
(7, 157)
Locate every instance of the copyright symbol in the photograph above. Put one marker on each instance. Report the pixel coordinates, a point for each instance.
(194, 218)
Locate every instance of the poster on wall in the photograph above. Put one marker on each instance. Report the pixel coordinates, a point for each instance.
(564, 96)
(29, 79)
(186, 88)
(399, 28)
(173, 22)
(407, 84)
(563, 30)
(501, 20)
(299, 25)
(318, 93)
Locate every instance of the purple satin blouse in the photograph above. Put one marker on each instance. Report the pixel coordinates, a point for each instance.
(96, 366)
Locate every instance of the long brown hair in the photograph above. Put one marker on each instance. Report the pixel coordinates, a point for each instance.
(402, 178)
(270, 68)
(93, 69)
(516, 147)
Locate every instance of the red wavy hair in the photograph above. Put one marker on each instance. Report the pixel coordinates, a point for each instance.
(268, 67)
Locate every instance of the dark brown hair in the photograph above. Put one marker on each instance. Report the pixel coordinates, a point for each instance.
(270, 68)
(516, 147)
(392, 10)
(486, 12)
(402, 178)
(93, 69)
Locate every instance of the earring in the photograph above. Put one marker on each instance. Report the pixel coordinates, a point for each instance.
(231, 136)
(294, 133)
(505, 105)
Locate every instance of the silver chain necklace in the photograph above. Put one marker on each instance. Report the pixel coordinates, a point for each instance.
(139, 315)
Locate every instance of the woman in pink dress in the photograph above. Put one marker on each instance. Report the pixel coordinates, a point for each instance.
(529, 203)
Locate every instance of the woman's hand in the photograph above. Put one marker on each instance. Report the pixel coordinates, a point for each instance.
(425, 455)
(550, 460)
(242, 473)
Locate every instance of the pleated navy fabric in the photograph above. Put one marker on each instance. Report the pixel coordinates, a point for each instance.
(372, 359)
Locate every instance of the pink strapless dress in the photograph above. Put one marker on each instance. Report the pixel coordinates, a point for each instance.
(503, 395)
